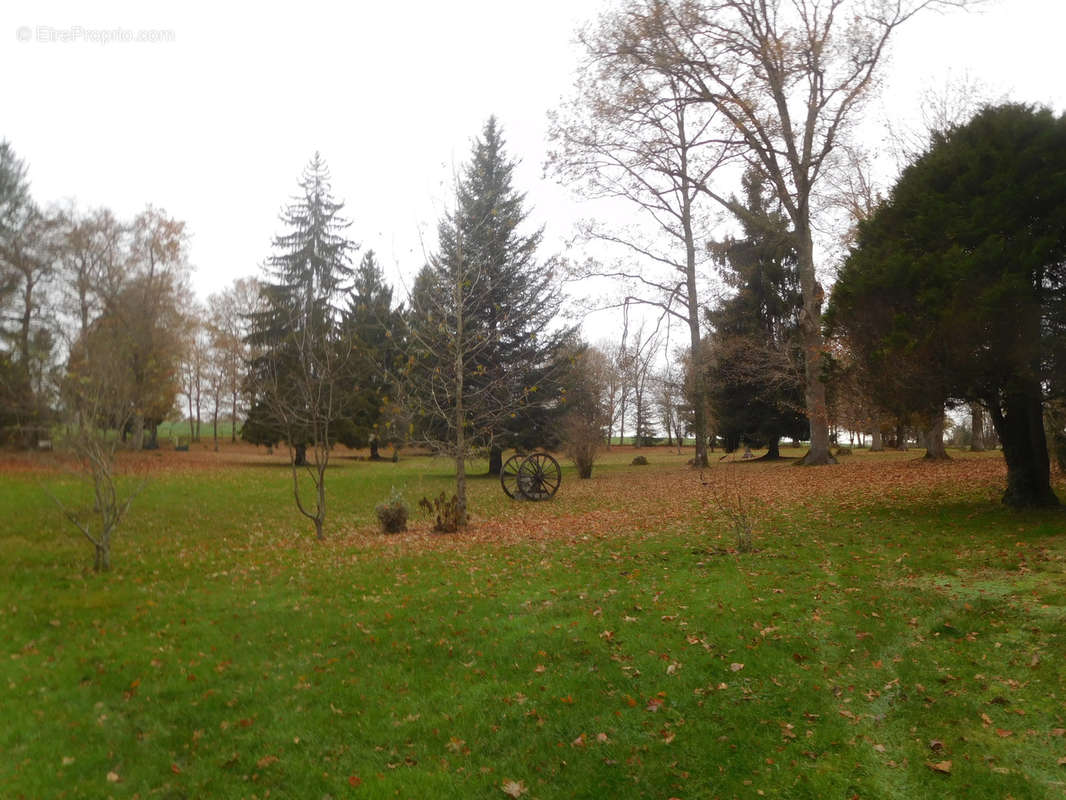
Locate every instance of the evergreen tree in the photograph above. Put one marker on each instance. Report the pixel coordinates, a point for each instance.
(483, 357)
(375, 331)
(511, 308)
(755, 386)
(956, 289)
(298, 378)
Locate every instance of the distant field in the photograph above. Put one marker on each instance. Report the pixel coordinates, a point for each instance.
(896, 633)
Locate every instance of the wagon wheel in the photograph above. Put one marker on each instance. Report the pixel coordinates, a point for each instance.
(539, 477)
(509, 477)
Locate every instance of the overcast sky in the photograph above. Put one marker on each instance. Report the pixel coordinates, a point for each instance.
(215, 122)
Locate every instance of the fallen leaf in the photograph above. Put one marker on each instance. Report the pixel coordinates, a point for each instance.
(354, 780)
(266, 761)
(112, 777)
(513, 788)
(735, 667)
(943, 767)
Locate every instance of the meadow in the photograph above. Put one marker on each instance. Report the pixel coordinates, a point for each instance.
(894, 633)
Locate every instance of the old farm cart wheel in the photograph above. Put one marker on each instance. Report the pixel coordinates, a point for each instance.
(509, 476)
(535, 477)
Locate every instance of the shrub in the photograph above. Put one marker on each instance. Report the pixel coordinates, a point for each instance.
(582, 440)
(639, 461)
(843, 451)
(392, 514)
(446, 511)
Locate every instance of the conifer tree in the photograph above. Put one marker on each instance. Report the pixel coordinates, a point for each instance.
(484, 353)
(755, 381)
(374, 330)
(297, 380)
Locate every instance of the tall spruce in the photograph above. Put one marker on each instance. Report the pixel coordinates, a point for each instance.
(297, 380)
(484, 354)
(756, 378)
(374, 329)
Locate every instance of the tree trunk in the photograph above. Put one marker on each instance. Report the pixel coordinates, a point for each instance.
(699, 416)
(214, 423)
(460, 489)
(813, 346)
(934, 440)
(233, 430)
(901, 438)
(102, 558)
(877, 445)
(773, 449)
(495, 460)
(138, 432)
(300, 456)
(320, 512)
(977, 428)
(374, 454)
(1019, 423)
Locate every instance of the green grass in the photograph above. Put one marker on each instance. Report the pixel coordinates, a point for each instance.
(879, 630)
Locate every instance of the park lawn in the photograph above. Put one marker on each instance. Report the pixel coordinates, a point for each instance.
(896, 633)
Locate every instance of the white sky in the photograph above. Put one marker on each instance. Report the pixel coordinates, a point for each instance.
(216, 126)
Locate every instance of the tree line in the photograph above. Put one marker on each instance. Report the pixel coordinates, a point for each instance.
(950, 289)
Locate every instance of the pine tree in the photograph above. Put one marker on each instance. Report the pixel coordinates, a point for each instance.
(297, 380)
(375, 332)
(483, 349)
(519, 302)
(755, 385)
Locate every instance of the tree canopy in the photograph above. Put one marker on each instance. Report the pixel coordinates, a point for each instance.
(956, 285)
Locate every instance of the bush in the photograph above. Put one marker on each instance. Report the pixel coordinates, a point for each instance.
(446, 510)
(639, 461)
(392, 514)
(843, 451)
(582, 440)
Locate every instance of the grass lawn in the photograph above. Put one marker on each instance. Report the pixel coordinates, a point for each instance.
(897, 633)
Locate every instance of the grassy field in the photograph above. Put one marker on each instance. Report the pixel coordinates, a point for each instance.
(895, 634)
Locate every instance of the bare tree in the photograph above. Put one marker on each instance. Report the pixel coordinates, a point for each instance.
(586, 417)
(634, 135)
(99, 397)
(194, 366)
(615, 386)
(300, 387)
(790, 78)
(644, 349)
(229, 312)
